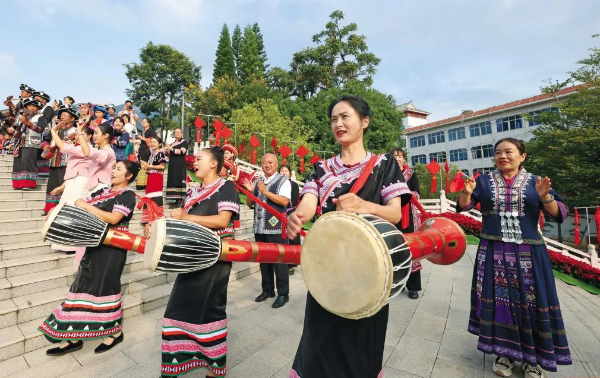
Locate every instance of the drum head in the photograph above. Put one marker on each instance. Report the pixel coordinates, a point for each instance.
(53, 214)
(155, 244)
(346, 265)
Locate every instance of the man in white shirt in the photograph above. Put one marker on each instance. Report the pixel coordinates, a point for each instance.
(130, 111)
(276, 191)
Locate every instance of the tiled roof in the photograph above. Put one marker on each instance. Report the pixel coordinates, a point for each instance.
(493, 109)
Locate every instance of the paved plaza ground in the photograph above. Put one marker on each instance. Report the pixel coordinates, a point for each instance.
(425, 337)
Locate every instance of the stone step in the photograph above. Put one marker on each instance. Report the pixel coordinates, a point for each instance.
(28, 203)
(55, 260)
(22, 337)
(30, 283)
(22, 194)
(38, 221)
(8, 186)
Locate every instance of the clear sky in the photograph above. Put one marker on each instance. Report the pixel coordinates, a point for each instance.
(445, 55)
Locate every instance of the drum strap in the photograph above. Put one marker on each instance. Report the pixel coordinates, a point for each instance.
(281, 217)
(364, 175)
(207, 194)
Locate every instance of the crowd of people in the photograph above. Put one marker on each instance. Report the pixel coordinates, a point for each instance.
(94, 156)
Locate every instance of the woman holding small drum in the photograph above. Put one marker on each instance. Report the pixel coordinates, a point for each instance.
(195, 322)
(92, 308)
(333, 346)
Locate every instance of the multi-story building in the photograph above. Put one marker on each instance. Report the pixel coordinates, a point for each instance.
(468, 140)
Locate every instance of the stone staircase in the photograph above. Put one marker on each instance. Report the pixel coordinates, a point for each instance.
(34, 279)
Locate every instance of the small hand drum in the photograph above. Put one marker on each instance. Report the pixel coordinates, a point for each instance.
(179, 246)
(73, 226)
(353, 265)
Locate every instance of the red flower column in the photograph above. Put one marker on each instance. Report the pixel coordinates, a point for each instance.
(254, 142)
(302, 152)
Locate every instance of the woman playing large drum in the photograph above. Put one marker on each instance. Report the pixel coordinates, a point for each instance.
(195, 323)
(514, 306)
(333, 346)
(92, 308)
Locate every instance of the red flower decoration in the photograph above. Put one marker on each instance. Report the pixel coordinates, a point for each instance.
(285, 152)
(302, 152)
(199, 123)
(274, 144)
(218, 125)
(226, 133)
(254, 142)
(433, 167)
(315, 158)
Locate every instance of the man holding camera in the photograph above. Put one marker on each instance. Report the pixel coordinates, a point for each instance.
(130, 111)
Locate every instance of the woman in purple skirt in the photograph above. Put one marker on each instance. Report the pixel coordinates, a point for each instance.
(514, 306)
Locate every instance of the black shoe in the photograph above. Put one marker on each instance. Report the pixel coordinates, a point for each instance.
(72, 347)
(413, 294)
(280, 301)
(263, 297)
(44, 213)
(104, 347)
(291, 271)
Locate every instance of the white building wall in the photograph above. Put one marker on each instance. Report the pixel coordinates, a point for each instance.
(409, 122)
(470, 164)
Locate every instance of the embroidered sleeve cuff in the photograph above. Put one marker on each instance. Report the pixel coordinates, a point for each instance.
(466, 208)
(310, 187)
(229, 206)
(122, 209)
(394, 190)
(564, 212)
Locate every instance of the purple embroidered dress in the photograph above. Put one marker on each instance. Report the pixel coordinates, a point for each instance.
(514, 305)
(332, 346)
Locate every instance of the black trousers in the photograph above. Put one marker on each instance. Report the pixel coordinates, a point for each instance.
(282, 275)
(414, 281)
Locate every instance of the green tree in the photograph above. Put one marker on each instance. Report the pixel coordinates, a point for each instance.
(264, 116)
(236, 44)
(384, 132)
(566, 147)
(260, 43)
(224, 64)
(250, 65)
(158, 80)
(340, 56)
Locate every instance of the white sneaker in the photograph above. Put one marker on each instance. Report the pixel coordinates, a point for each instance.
(536, 371)
(503, 367)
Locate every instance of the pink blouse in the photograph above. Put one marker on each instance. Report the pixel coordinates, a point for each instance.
(100, 164)
(77, 164)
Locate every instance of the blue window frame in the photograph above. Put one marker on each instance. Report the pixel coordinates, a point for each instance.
(440, 157)
(456, 134)
(417, 141)
(509, 123)
(459, 154)
(418, 159)
(483, 170)
(533, 115)
(438, 137)
(485, 151)
(483, 128)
